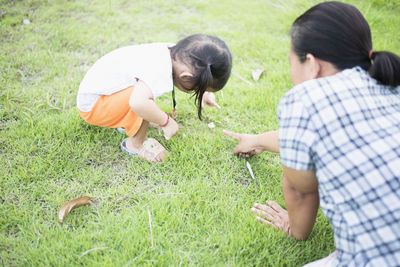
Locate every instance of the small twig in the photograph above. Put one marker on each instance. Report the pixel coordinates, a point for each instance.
(38, 238)
(151, 230)
(250, 170)
(278, 6)
(134, 259)
(90, 250)
(243, 79)
(50, 105)
(64, 105)
(165, 194)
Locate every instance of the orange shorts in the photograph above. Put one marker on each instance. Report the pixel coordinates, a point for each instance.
(113, 111)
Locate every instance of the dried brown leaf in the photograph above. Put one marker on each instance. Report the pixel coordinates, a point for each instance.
(73, 204)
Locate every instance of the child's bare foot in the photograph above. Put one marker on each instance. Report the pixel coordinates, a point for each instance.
(150, 149)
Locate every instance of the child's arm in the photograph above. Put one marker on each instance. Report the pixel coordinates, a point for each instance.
(209, 99)
(142, 103)
(251, 144)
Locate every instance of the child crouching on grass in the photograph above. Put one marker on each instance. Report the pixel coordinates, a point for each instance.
(120, 88)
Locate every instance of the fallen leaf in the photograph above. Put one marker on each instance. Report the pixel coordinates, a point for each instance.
(73, 204)
(257, 73)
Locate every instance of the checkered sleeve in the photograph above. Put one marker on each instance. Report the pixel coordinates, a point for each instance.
(296, 133)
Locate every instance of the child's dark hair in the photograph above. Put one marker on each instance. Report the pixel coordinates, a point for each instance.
(210, 60)
(338, 33)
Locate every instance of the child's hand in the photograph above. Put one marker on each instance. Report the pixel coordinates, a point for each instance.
(209, 99)
(170, 129)
(248, 144)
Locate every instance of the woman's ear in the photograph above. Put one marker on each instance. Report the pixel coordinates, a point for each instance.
(313, 67)
(318, 68)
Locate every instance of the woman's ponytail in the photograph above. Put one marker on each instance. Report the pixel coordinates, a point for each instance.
(385, 68)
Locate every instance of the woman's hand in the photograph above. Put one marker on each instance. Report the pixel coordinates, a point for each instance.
(209, 99)
(248, 144)
(170, 129)
(272, 214)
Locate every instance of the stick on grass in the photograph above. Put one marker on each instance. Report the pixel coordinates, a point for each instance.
(90, 250)
(151, 230)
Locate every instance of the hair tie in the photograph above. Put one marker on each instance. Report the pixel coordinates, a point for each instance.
(370, 54)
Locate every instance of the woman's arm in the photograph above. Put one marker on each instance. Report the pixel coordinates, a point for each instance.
(251, 144)
(269, 141)
(300, 190)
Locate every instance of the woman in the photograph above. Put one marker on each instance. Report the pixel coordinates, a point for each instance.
(339, 139)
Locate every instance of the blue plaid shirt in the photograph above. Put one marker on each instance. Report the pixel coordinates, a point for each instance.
(346, 127)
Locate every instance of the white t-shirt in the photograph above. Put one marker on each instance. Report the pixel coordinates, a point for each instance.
(120, 68)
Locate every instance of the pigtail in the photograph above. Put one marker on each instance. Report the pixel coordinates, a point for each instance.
(205, 81)
(385, 68)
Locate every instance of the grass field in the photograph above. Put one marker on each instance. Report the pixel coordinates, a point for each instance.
(199, 200)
